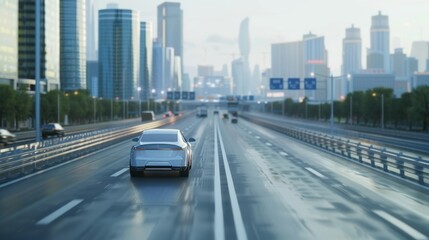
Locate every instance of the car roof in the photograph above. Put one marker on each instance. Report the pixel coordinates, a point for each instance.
(161, 131)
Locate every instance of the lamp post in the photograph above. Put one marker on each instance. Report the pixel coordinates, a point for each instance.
(351, 109)
(332, 95)
(93, 98)
(382, 108)
(139, 89)
(151, 95)
(58, 109)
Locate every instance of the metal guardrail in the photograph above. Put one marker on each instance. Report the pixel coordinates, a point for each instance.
(37, 156)
(405, 165)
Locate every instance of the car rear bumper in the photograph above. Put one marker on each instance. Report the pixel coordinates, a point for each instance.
(157, 168)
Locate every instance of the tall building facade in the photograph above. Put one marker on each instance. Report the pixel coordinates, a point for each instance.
(352, 57)
(119, 53)
(287, 61)
(316, 61)
(50, 45)
(158, 63)
(380, 39)
(243, 81)
(352, 51)
(91, 49)
(9, 42)
(146, 48)
(73, 45)
(170, 27)
(420, 51)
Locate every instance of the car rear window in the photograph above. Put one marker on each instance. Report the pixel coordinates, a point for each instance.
(158, 137)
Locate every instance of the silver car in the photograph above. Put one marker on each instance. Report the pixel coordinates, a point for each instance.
(161, 149)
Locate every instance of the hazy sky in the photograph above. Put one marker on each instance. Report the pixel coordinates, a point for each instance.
(211, 26)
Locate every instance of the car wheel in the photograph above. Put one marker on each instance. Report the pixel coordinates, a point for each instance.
(185, 173)
(133, 173)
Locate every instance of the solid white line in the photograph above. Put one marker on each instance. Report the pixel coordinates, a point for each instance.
(284, 154)
(401, 225)
(269, 144)
(218, 218)
(238, 219)
(119, 172)
(58, 213)
(315, 172)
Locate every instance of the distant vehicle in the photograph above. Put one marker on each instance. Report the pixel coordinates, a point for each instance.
(201, 112)
(234, 120)
(216, 112)
(52, 129)
(161, 149)
(178, 114)
(148, 116)
(168, 114)
(225, 115)
(6, 137)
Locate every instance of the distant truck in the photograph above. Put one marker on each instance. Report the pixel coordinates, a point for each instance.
(148, 116)
(232, 106)
(201, 112)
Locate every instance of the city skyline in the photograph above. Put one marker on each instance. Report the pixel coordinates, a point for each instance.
(213, 40)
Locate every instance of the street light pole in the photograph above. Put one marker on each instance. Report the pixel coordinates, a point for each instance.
(93, 98)
(139, 89)
(382, 111)
(332, 104)
(351, 109)
(58, 103)
(111, 109)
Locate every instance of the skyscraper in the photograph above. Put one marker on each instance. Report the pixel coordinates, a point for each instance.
(119, 53)
(352, 51)
(91, 51)
(170, 27)
(72, 45)
(146, 82)
(50, 42)
(287, 61)
(158, 62)
(316, 61)
(243, 80)
(9, 42)
(420, 51)
(380, 39)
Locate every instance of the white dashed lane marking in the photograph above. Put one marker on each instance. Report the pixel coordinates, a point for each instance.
(401, 225)
(116, 174)
(58, 213)
(315, 172)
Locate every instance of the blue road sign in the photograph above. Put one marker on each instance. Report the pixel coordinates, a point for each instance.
(176, 95)
(276, 84)
(191, 95)
(309, 83)
(251, 98)
(185, 95)
(170, 95)
(293, 83)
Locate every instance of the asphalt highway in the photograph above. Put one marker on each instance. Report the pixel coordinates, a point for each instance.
(247, 182)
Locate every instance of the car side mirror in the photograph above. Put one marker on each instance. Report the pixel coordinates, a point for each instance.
(135, 139)
(191, 140)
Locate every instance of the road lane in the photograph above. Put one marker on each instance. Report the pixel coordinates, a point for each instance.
(277, 192)
(363, 188)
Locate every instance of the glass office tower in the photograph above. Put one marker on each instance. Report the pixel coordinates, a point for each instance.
(73, 45)
(118, 54)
